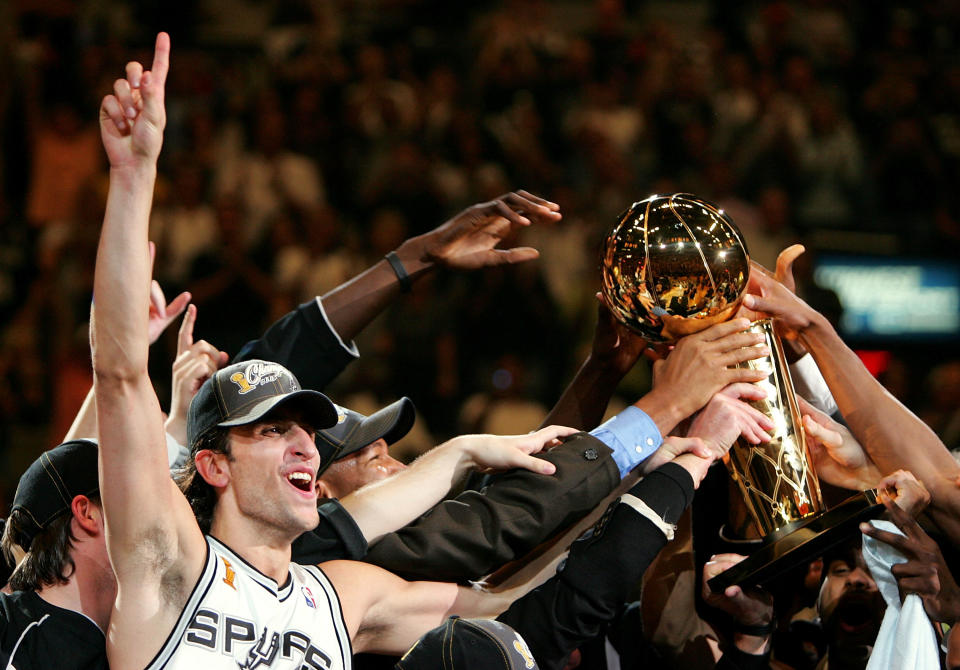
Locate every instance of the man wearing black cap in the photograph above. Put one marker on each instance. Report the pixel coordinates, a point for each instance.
(63, 588)
(355, 451)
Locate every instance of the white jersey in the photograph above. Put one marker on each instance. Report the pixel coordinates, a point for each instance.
(238, 618)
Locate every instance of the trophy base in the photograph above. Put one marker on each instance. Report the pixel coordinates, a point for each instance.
(807, 540)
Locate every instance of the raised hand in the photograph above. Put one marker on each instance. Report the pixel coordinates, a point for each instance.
(195, 363)
(906, 491)
(615, 346)
(701, 364)
(133, 117)
(468, 241)
(925, 572)
(767, 296)
(503, 452)
(726, 417)
(837, 456)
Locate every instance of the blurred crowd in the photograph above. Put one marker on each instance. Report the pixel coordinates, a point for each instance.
(307, 139)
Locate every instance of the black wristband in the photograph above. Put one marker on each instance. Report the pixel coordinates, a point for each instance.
(402, 277)
(758, 631)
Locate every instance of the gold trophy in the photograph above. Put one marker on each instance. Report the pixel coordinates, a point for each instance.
(674, 265)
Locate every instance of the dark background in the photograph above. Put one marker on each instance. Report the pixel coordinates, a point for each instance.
(306, 139)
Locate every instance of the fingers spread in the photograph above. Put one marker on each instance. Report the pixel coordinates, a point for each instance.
(538, 200)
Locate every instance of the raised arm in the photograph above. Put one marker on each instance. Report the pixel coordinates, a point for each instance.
(311, 340)
(893, 436)
(151, 530)
(615, 351)
(413, 491)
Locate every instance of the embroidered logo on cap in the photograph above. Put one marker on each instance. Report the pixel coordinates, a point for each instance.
(524, 651)
(258, 373)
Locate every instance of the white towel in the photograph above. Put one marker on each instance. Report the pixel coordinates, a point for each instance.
(906, 640)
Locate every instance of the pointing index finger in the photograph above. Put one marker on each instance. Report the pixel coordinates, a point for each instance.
(161, 58)
(185, 336)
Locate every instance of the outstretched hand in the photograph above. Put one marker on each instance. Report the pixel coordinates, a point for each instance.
(468, 241)
(772, 295)
(838, 457)
(925, 572)
(702, 364)
(615, 346)
(726, 417)
(504, 452)
(133, 117)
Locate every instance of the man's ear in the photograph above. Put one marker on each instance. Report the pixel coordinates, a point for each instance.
(324, 490)
(87, 515)
(213, 467)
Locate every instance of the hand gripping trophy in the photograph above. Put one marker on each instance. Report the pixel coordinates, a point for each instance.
(674, 265)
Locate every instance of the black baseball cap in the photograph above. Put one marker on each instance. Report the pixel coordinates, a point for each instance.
(47, 488)
(244, 392)
(353, 430)
(469, 644)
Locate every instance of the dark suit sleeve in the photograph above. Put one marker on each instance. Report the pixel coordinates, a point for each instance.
(600, 572)
(303, 342)
(475, 533)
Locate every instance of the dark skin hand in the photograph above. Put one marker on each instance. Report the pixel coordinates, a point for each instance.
(925, 572)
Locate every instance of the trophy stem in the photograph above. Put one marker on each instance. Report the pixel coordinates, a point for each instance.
(778, 484)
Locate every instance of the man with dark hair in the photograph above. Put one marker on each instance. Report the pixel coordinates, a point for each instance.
(63, 588)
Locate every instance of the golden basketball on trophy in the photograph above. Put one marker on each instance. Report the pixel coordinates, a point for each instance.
(674, 265)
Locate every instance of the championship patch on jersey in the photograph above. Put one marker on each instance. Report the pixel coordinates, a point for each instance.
(229, 574)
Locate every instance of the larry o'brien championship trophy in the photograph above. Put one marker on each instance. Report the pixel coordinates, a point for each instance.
(674, 265)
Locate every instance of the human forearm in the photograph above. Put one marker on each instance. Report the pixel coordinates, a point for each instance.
(475, 533)
(585, 400)
(573, 606)
(409, 493)
(355, 303)
(665, 409)
(121, 285)
(893, 436)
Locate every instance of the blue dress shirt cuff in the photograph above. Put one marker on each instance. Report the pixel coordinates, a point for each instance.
(632, 435)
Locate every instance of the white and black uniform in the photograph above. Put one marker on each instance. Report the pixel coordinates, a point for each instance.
(238, 618)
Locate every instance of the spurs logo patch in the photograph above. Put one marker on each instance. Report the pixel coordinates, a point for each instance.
(263, 653)
(257, 373)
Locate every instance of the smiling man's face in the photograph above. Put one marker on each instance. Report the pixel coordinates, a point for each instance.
(273, 472)
(370, 464)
